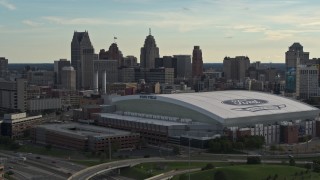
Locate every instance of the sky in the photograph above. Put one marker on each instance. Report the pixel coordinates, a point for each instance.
(33, 31)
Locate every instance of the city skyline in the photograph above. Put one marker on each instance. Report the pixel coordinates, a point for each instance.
(35, 31)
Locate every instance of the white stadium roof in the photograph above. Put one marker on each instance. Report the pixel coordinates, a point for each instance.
(234, 104)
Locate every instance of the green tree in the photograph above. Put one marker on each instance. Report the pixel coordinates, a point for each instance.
(103, 157)
(176, 150)
(292, 162)
(48, 147)
(14, 146)
(226, 146)
(253, 160)
(208, 166)
(214, 147)
(239, 145)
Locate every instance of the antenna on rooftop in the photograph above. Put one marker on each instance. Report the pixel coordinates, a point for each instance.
(149, 31)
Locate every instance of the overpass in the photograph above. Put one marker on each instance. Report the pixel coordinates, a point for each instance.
(90, 172)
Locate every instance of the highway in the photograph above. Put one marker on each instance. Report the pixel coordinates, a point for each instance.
(39, 167)
(90, 172)
(98, 169)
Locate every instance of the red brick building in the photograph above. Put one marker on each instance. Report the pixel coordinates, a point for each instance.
(289, 134)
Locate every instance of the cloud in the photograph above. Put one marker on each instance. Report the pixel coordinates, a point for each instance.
(7, 4)
(31, 23)
(251, 28)
(74, 21)
(178, 20)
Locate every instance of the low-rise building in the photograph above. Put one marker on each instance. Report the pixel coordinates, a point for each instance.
(15, 125)
(84, 137)
(13, 95)
(41, 78)
(37, 105)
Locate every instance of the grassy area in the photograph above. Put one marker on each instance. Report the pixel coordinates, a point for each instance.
(256, 172)
(146, 170)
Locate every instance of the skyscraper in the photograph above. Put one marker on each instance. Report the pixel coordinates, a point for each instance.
(197, 63)
(82, 56)
(167, 62)
(149, 52)
(112, 54)
(184, 67)
(307, 81)
(68, 78)
(235, 68)
(294, 53)
(3, 67)
(58, 65)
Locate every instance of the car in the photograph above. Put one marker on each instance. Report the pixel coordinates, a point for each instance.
(38, 157)
(10, 167)
(53, 161)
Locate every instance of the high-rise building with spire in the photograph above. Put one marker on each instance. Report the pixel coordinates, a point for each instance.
(82, 56)
(149, 52)
(197, 63)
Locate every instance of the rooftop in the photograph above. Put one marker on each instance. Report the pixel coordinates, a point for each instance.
(222, 105)
(141, 120)
(83, 131)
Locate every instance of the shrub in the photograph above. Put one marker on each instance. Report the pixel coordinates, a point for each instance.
(292, 162)
(253, 160)
(207, 167)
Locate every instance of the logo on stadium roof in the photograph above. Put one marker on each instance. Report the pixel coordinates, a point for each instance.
(245, 102)
(261, 108)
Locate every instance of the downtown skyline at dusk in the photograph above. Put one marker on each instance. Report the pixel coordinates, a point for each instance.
(37, 31)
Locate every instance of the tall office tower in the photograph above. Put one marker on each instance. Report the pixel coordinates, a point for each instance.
(68, 78)
(294, 53)
(307, 81)
(58, 65)
(3, 67)
(184, 67)
(112, 54)
(82, 56)
(197, 63)
(167, 62)
(149, 52)
(235, 68)
(13, 95)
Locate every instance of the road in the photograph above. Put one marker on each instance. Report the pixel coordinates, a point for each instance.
(39, 167)
(90, 172)
(98, 169)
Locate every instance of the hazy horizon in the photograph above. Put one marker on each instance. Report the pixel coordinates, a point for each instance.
(262, 30)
